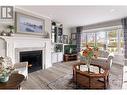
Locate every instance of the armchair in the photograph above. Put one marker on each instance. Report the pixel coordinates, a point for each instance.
(104, 59)
(22, 68)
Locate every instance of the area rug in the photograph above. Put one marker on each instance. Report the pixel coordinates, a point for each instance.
(66, 82)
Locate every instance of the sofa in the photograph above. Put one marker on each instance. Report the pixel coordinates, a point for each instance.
(104, 59)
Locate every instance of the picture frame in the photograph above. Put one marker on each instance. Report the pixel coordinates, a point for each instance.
(65, 39)
(27, 24)
(73, 36)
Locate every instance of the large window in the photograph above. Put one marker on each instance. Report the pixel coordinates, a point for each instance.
(106, 39)
(121, 41)
(101, 40)
(112, 41)
(83, 40)
(91, 39)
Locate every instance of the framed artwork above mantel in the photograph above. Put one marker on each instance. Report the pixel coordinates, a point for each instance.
(26, 24)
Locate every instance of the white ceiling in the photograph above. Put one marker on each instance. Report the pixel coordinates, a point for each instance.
(72, 16)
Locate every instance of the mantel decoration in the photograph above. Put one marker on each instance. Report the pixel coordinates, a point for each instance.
(11, 32)
(87, 54)
(6, 68)
(29, 24)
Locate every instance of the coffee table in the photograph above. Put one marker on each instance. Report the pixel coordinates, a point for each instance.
(90, 80)
(14, 82)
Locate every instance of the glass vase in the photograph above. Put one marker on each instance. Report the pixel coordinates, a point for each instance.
(4, 78)
(88, 64)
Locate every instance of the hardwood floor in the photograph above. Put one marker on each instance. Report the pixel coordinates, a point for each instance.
(43, 79)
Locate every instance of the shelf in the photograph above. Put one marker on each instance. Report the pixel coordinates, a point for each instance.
(57, 33)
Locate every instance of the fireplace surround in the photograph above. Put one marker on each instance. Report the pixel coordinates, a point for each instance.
(34, 59)
(23, 43)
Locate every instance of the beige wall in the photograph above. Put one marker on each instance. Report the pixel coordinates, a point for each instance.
(4, 23)
(28, 39)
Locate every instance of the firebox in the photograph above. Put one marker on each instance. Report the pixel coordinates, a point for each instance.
(34, 59)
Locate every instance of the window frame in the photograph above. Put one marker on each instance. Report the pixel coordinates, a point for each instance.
(107, 30)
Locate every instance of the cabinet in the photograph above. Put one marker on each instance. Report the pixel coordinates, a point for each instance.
(60, 57)
(70, 57)
(57, 42)
(57, 57)
(54, 57)
(57, 32)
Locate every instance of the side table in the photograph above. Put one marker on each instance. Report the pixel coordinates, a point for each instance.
(14, 82)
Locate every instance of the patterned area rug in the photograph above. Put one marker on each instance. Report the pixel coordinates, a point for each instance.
(65, 82)
(60, 77)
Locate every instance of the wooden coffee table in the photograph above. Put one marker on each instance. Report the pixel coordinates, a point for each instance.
(90, 80)
(14, 82)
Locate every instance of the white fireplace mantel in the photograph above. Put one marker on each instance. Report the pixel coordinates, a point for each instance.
(20, 42)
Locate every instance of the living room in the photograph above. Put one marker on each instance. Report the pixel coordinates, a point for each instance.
(44, 44)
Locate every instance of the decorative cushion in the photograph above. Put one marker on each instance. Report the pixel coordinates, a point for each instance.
(103, 54)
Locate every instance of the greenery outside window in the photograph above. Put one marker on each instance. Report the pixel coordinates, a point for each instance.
(112, 41)
(83, 40)
(91, 39)
(106, 39)
(101, 40)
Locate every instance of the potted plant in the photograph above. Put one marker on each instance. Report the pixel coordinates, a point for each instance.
(87, 54)
(11, 27)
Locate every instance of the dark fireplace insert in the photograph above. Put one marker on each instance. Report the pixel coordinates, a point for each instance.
(34, 59)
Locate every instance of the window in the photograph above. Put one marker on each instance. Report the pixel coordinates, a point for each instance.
(91, 39)
(112, 41)
(107, 39)
(101, 40)
(83, 39)
(121, 40)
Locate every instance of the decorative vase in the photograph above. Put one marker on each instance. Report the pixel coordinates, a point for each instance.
(4, 79)
(88, 64)
(10, 33)
(3, 33)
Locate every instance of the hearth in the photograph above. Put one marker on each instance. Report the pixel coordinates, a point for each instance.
(34, 59)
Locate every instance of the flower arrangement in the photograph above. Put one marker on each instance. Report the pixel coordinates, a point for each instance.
(89, 53)
(6, 69)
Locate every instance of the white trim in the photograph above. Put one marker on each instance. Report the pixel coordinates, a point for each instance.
(104, 28)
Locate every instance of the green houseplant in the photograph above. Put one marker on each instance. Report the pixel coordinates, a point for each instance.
(10, 27)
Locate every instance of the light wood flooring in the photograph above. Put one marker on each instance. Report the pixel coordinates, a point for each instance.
(42, 78)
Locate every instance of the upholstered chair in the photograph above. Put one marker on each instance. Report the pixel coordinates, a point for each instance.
(104, 59)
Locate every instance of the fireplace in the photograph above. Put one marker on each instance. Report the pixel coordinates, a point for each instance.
(34, 59)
